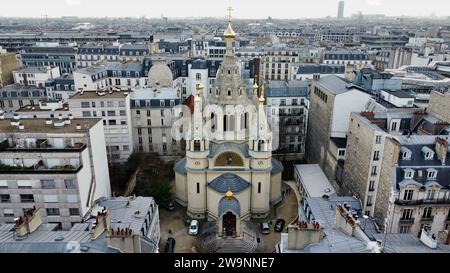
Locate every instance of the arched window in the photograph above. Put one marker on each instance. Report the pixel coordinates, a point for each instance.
(225, 123)
(259, 187)
(246, 120)
(229, 92)
(227, 159)
(260, 145)
(197, 146)
(213, 123)
(232, 122)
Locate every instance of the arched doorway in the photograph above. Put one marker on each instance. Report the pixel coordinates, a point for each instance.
(229, 223)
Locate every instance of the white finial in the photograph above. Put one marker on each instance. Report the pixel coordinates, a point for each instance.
(230, 9)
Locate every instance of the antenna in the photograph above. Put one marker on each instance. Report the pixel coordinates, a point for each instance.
(46, 19)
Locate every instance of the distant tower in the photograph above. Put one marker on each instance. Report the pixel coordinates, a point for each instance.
(341, 10)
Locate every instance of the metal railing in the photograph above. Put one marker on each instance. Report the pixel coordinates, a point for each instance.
(407, 220)
(422, 201)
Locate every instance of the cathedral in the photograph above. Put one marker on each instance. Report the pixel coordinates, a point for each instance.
(228, 175)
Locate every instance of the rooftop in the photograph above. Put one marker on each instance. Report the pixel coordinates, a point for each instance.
(340, 142)
(288, 88)
(95, 94)
(34, 69)
(400, 93)
(37, 108)
(148, 93)
(38, 125)
(335, 241)
(314, 181)
(127, 212)
(45, 239)
(408, 243)
(337, 85)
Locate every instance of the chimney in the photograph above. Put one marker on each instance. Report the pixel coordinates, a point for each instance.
(344, 219)
(102, 223)
(125, 240)
(29, 222)
(302, 233)
(441, 149)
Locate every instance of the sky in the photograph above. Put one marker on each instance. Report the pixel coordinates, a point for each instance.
(249, 9)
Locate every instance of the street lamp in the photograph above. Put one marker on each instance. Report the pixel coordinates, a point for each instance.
(365, 221)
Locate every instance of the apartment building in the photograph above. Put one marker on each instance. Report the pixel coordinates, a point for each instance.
(58, 165)
(15, 96)
(60, 88)
(306, 71)
(287, 110)
(60, 56)
(332, 99)
(397, 165)
(277, 63)
(35, 76)
(347, 57)
(125, 75)
(113, 107)
(93, 54)
(114, 225)
(153, 112)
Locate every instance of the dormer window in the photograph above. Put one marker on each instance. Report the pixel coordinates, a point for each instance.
(409, 173)
(405, 153)
(431, 173)
(428, 153)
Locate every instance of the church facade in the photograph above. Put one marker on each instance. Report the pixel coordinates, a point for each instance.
(228, 174)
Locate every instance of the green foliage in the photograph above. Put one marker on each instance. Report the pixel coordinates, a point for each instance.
(160, 189)
(155, 180)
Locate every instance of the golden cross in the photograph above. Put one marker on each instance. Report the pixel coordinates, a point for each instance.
(230, 9)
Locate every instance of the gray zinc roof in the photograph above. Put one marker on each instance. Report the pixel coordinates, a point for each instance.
(226, 205)
(337, 85)
(228, 181)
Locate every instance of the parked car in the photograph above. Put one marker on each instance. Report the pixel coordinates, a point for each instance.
(171, 206)
(170, 245)
(265, 228)
(193, 227)
(279, 225)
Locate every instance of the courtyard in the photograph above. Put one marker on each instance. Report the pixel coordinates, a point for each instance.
(176, 222)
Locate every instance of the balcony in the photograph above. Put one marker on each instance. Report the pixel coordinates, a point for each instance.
(408, 221)
(293, 123)
(427, 219)
(39, 168)
(290, 114)
(440, 201)
(40, 146)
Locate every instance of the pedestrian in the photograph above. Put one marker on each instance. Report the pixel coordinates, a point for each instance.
(170, 231)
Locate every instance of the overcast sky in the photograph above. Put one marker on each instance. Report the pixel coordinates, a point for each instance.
(217, 8)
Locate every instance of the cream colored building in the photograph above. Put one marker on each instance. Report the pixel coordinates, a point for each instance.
(228, 174)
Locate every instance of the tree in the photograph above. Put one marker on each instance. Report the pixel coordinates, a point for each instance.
(155, 180)
(159, 189)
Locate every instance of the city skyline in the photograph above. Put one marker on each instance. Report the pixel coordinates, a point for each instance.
(242, 10)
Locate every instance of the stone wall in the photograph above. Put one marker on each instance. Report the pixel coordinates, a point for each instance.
(318, 133)
(389, 159)
(439, 105)
(358, 157)
(8, 63)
